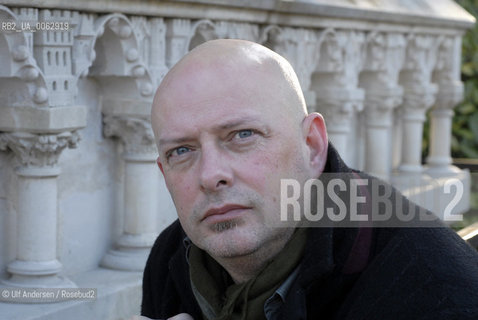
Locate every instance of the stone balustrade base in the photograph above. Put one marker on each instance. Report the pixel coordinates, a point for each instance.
(50, 281)
(126, 260)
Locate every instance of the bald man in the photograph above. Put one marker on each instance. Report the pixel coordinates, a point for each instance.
(230, 122)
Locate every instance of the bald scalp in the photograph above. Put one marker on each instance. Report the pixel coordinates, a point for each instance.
(238, 61)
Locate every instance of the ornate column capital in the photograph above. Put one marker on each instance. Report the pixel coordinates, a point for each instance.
(385, 56)
(383, 63)
(38, 150)
(448, 64)
(343, 54)
(449, 96)
(339, 105)
(447, 73)
(418, 99)
(300, 47)
(135, 133)
(379, 106)
(421, 57)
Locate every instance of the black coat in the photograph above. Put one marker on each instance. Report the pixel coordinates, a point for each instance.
(346, 273)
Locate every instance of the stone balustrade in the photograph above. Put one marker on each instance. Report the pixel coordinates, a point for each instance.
(86, 78)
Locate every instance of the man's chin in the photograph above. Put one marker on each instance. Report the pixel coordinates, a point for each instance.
(225, 226)
(231, 243)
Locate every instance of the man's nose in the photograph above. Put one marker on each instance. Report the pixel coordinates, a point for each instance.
(215, 171)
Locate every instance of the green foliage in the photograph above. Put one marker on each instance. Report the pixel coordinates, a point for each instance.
(465, 121)
(464, 142)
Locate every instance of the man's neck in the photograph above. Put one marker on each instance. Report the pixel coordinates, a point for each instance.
(243, 268)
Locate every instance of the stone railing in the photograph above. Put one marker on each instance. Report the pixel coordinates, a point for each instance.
(83, 74)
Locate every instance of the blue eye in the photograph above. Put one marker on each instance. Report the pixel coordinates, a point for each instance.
(179, 151)
(244, 133)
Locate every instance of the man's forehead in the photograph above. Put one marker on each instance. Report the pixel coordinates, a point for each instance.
(210, 86)
(217, 126)
(213, 92)
(235, 62)
(195, 78)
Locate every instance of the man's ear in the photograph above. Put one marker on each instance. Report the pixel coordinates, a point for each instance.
(315, 134)
(160, 165)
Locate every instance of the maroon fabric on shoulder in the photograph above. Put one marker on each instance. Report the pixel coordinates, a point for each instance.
(360, 252)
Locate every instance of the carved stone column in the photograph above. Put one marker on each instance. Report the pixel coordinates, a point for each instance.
(439, 160)
(450, 93)
(419, 96)
(385, 55)
(378, 120)
(141, 190)
(335, 84)
(415, 105)
(36, 263)
(339, 108)
(37, 123)
(127, 88)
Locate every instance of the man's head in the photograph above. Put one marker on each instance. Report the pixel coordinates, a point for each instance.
(230, 122)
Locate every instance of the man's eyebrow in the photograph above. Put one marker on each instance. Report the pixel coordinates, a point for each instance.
(223, 126)
(238, 122)
(174, 141)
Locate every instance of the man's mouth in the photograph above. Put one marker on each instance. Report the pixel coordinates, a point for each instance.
(224, 213)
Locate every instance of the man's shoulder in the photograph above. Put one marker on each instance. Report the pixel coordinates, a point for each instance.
(169, 241)
(419, 271)
(168, 248)
(166, 287)
(442, 255)
(435, 247)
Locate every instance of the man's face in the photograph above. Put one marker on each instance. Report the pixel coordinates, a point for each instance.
(224, 146)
